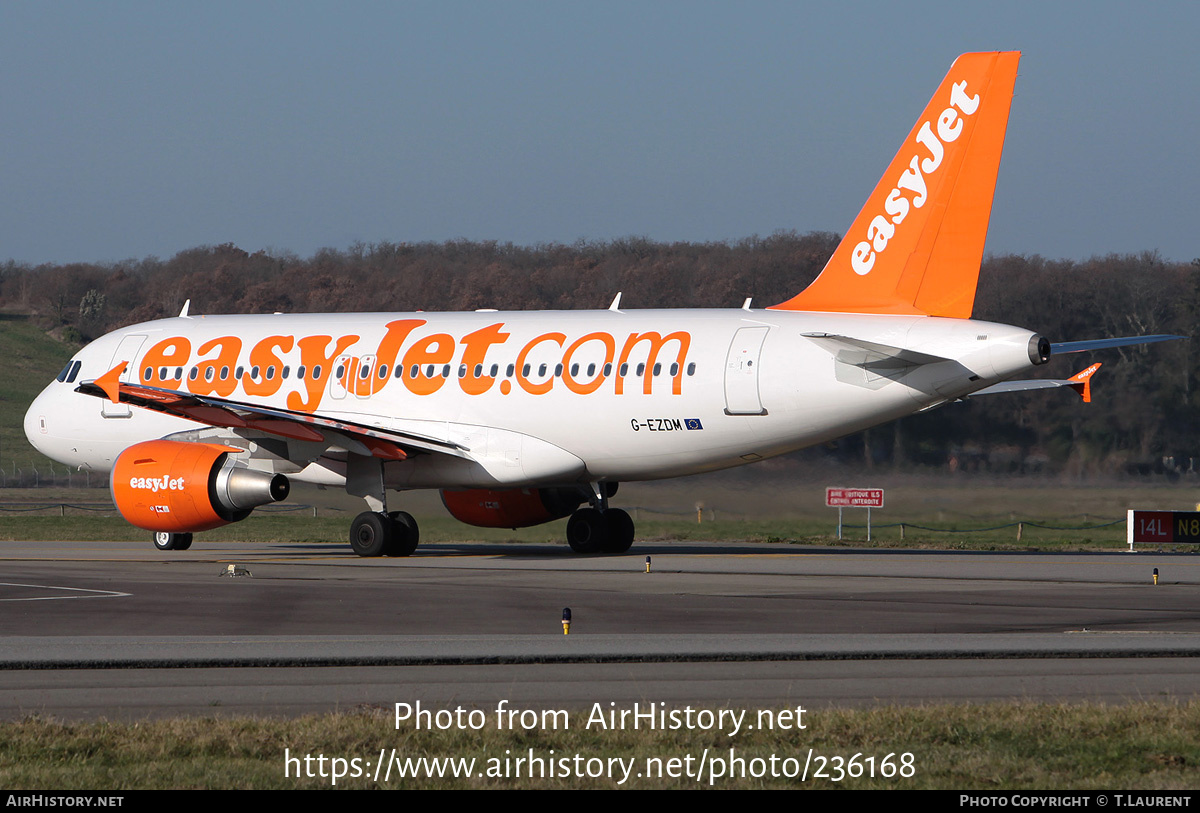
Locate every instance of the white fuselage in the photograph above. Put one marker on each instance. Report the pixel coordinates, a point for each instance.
(538, 398)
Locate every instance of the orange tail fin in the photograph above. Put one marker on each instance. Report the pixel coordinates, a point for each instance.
(917, 243)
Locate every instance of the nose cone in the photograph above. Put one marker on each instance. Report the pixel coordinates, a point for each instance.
(36, 423)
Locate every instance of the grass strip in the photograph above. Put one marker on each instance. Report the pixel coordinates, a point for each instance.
(997, 746)
(262, 528)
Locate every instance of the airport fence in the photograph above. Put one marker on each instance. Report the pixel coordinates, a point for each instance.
(808, 523)
(961, 523)
(1020, 526)
(46, 474)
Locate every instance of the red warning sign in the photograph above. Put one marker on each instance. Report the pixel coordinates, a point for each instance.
(854, 497)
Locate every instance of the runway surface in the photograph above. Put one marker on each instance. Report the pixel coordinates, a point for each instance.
(124, 631)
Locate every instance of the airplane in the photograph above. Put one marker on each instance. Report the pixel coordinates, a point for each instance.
(521, 418)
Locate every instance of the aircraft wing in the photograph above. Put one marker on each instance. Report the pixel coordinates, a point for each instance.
(374, 441)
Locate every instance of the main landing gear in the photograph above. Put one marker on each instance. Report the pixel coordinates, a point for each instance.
(169, 541)
(599, 528)
(378, 533)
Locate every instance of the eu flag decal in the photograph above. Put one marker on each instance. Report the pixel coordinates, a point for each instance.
(693, 423)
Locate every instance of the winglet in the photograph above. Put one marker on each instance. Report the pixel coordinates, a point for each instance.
(183, 313)
(110, 382)
(916, 246)
(1081, 382)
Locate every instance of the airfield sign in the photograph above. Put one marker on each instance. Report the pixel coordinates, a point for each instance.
(1163, 527)
(867, 498)
(854, 497)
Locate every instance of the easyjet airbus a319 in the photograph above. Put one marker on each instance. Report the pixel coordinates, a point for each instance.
(526, 417)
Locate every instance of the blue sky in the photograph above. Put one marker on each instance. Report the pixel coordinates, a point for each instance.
(135, 129)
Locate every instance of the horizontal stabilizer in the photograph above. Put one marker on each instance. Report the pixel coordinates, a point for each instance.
(1081, 382)
(1102, 344)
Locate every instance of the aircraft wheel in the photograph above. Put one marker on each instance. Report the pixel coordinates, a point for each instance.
(618, 531)
(164, 540)
(370, 533)
(585, 531)
(405, 535)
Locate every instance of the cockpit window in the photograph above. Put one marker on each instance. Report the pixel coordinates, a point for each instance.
(63, 375)
(74, 372)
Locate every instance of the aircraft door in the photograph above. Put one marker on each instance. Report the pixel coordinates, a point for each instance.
(741, 372)
(127, 351)
(343, 376)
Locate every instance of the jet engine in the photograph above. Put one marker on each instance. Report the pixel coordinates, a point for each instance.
(511, 508)
(176, 487)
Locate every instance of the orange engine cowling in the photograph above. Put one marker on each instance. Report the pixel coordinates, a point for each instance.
(512, 508)
(168, 485)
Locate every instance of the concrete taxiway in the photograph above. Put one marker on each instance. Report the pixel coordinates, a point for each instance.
(121, 630)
